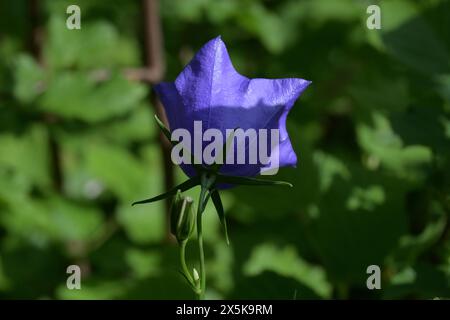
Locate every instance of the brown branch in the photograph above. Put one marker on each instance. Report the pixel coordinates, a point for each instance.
(147, 75)
(34, 43)
(153, 41)
(154, 72)
(35, 34)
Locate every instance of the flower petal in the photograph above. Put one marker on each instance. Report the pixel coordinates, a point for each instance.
(209, 89)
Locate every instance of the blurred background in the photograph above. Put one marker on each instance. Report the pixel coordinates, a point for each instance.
(78, 144)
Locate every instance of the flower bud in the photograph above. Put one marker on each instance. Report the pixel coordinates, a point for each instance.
(196, 276)
(182, 217)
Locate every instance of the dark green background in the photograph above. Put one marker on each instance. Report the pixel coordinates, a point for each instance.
(372, 134)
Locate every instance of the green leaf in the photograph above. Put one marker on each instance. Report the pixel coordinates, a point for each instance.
(74, 222)
(407, 35)
(143, 263)
(422, 281)
(53, 219)
(143, 224)
(286, 262)
(98, 45)
(329, 168)
(138, 126)
(410, 247)
(75, 95)
(381, 91)
(215, 196)
(351, 218)
(98, 166)
(188, 184)
(29, 79)
(268, 26)
(384, 146)
(25, 157)
(366, 198)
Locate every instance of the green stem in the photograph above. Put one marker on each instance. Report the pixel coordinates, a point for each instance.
(183, 262)
(200, 209)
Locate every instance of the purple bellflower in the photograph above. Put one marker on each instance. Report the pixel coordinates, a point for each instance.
(210, 91)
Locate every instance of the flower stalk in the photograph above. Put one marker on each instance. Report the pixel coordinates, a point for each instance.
(183, 217)
(210, 89)
(207, 181)
(200, 210)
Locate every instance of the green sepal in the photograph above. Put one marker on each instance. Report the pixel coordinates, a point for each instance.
(164, 130)
(205, 201)
(188, 184)
(250, 181)
(215, 196)
(167, 134)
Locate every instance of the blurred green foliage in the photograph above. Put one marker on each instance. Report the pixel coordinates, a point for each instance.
(372, 134)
